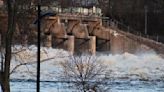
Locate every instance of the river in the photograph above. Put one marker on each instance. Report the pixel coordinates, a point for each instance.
(140, 72)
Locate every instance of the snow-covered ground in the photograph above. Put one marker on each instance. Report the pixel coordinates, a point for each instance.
(130, 68)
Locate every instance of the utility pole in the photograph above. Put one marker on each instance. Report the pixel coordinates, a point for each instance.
(38, 52)
(146, 18)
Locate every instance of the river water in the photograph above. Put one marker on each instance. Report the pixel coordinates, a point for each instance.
(140, 72)
(115, 86)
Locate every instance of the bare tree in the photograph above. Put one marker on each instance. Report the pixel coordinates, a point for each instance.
(5, 72)
(18, 12)
(12, 11)
(104, 5)
(86, 73)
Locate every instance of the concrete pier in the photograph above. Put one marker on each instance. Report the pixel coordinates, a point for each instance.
(47, 41)
(71, 44)
(117, 44)
(92, 45)
(83, 34)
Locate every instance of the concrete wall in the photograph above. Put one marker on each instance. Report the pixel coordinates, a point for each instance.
(132, 43)
(83, 35)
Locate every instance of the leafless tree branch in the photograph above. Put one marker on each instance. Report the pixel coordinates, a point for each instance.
(87, 72)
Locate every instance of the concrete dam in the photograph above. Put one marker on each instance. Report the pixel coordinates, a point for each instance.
(84, 34)
(88, 34)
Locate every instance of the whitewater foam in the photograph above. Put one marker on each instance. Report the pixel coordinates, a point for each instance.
(147, 66)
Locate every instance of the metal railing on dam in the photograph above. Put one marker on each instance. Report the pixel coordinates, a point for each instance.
(153, 41)
(119, 25)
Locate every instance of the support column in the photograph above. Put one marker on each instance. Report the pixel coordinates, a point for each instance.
(71, 44)
(25, 40)
(92, 45)
(117, 44)
(48, 41)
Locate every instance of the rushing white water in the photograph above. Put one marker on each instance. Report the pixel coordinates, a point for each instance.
(129, 67)
(147, 66)
(50, 59)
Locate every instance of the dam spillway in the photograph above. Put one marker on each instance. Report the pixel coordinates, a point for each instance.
(76, 34)
(84, 34)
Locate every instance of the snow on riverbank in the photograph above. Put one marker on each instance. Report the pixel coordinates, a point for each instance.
(147, 66)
